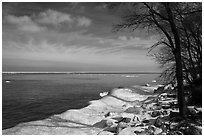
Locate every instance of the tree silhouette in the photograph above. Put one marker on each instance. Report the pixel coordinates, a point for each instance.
(167, 20)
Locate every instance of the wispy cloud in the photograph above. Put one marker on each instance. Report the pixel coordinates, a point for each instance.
(59, 35)
(83, 21)
(53, 17)
(47, 20)
(24, 23)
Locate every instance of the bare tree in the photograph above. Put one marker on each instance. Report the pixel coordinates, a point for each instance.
(165, 19)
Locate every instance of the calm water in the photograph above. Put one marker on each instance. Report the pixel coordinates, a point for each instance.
(31, 97)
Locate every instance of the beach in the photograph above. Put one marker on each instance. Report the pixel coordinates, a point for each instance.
(31, 97)
(124, 111)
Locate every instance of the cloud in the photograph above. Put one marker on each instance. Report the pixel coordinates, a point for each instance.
(49, 19)
(83, 21)
(124, 38)
(54, 17)
(23, 23)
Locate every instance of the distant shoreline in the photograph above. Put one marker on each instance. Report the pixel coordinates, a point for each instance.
(81, 72)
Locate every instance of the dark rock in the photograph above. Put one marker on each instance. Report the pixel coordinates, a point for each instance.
(171, 95)
(100, 124)
(159, 90)
(111, 129)
(121, 126)
(126, 120)
(137, 132)
(164, 112)
(186, 127)
(117, 118)
(107, 115)
(109, 123)
(141, 125)
(144, 106)
(173, 114)
(150, 130)
(166, 106)
(175, 117)
(155, 113)
(164, 127)
(174, 133)
(191, 130)
(145, 121)
(197, 91)
(158, 122)
(134, 110)
(104, 123)
(145, 132)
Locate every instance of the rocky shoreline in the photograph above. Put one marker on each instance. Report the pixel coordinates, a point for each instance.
(124, 111)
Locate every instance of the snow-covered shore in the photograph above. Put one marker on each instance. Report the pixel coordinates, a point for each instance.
(122, 111)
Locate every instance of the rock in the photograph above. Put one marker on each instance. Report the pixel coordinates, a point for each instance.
(100, 124)
(157, 131)
(173, 125)
(144, 130)
(127, 115)
(150, 130)
(145, 121)
(121, 126)
(166, 106)
(192, 110)
(164, 112)
(117, 118)
(158, 122)
(164, 127)
(110, 114)
(171, 95)
(109, 123)
(134, 110)
(127, 94)
(140, 129)
(174, 133)
(191, 130)
(105, 123)
(112, 129)
(173, 114)
(107, 115)
(155, 113)
(105, 133)
(151, 106)
(144, 106)
(126, 120)
(127, 131)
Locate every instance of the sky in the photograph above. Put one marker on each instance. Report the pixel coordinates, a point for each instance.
(71, 37)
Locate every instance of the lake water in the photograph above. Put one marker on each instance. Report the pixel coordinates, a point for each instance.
(31, 97)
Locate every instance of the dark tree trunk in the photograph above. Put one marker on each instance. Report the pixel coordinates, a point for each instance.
(180, 91)
(177, 54)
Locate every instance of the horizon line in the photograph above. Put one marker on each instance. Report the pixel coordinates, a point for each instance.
(74, 72)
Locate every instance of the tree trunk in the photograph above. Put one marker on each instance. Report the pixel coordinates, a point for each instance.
(178, 59)
(180, 91)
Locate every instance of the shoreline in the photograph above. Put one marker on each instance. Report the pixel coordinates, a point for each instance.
(122, 111)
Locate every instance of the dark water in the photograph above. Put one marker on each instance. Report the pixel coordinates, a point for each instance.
(31, 97)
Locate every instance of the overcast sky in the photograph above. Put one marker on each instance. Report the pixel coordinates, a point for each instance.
(71, 37)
